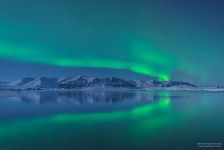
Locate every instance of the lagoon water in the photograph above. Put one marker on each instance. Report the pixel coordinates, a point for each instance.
(110, 120)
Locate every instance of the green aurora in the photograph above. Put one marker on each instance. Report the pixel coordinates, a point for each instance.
(140, 58)
(162, 39)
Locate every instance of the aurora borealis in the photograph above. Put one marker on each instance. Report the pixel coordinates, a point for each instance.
(177, 39)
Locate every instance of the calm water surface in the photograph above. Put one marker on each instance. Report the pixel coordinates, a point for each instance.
(110, 120)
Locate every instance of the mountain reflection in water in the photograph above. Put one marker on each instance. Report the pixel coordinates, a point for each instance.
(91, 97)
(39, 103)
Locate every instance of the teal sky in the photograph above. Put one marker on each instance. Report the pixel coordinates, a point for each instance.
(163, 39)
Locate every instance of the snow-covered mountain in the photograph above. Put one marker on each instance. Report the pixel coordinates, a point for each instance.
(81, 82)
(34, 83)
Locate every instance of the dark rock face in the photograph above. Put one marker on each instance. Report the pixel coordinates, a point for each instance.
(78, 83)
(157, 83)
(48, 82)
(116, 82)
(96, 82)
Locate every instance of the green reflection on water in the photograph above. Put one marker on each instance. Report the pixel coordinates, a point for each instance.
(155, 120)
(142, 115)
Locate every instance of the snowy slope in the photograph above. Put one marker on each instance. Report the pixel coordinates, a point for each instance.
(21, 82)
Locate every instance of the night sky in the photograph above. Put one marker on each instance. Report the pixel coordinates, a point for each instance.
(145, 39)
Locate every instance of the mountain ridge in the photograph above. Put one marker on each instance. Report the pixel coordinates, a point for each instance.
(83, 82)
